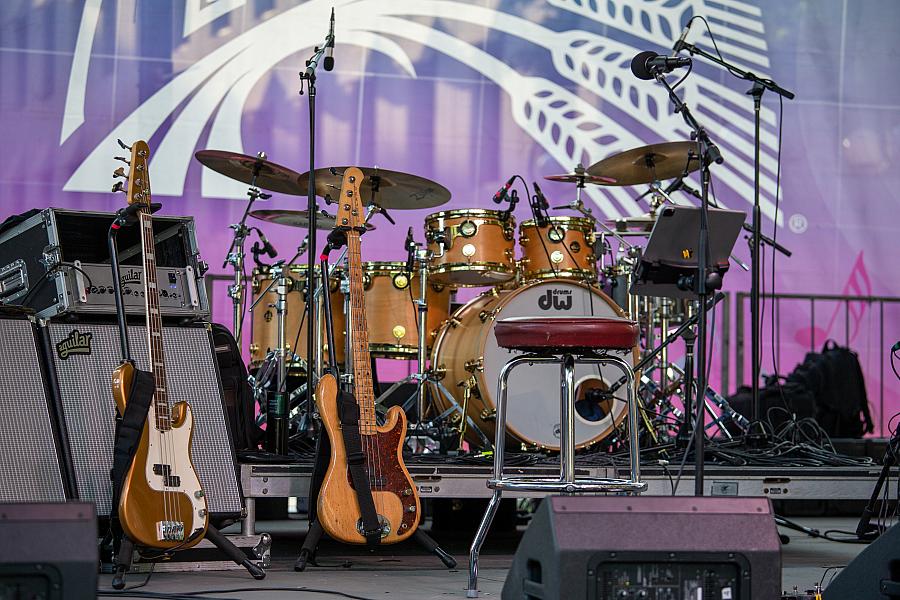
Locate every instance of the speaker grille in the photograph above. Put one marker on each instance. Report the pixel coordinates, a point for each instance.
(29, 462)
(85, 381)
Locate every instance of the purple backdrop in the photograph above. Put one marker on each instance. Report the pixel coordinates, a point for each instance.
(468, 93)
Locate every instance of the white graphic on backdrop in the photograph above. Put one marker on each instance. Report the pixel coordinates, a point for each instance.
(570, 126)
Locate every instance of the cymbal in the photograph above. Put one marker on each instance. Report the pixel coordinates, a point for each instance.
(241, 167)
(297, 218)
(388, 189)
(648, 163)
(581, 178)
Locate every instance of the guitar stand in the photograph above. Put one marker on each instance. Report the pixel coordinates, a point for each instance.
(311, 543)
(125, 555)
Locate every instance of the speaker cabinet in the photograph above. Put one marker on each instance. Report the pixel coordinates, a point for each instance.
(873, 575)
(49, 551)
(647, 548)
(31, 458)
(83, 356)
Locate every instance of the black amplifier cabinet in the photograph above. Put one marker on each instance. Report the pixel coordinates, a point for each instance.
(57, 262)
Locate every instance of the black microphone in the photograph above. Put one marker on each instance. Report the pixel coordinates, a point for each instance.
(410, 246)
(647, 64)
(540, 196)
(328, 64)
(680, 43)
(540, 207)
(500, 196)
(267, 247)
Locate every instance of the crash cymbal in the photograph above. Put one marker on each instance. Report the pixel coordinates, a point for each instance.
(648, 163)
(390, 189)
(241, 167)
(297, 218)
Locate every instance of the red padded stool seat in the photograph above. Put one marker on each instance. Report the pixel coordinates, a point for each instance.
(566, 333)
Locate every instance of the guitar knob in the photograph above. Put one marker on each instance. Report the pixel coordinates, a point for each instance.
(198, 494)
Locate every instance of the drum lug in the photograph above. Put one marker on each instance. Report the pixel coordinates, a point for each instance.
(254, 349)
(476, 364)
(439, 372)
(488, 314)
(524, 239)
(510, 254)
(454, 322)
(255, 285)
(489, 414)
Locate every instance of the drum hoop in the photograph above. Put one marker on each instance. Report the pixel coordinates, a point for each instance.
(577, 223)
(484, 213)
(541, 275)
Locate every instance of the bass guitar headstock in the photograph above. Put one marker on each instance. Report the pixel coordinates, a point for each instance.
(136, 183)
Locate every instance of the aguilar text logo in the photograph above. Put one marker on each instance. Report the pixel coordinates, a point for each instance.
(132, 276)
(75, 343)
(556, 299)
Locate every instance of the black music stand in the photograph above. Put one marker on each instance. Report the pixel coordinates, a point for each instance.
(669, 262)
(668, 268)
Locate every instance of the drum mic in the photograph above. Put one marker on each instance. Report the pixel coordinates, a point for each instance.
(410, 250)
(267, 247)
(328, 63)
(539, 207)
(679, 44)
(501, 194)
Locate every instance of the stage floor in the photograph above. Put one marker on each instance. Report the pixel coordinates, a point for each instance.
(403, 573)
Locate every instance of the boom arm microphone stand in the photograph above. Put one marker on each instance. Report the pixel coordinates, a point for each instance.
(309, 77)
(704, 281)
(760, 85)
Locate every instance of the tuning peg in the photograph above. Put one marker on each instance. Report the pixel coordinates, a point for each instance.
(120, 172)
(118, 187)
(123, 159)
(123, 145)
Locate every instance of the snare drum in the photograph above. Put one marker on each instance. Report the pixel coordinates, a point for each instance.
(478, 247)
(264, 334)
(391, 313)
(562, 248)
(466, 352)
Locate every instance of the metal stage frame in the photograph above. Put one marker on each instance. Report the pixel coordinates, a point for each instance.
(281, 480)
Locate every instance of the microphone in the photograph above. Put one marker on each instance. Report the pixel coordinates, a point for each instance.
(328, 64)
(410, 246)
(267, 247)
(646, 65)
(500, 196)
(540, 207)
(304, 245)
(680, 43)
(540, 196)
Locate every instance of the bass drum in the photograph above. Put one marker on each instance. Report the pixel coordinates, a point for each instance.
(466, 347)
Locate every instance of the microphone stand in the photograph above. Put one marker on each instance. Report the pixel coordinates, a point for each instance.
(704, 282)
(309, 77)
(760, 85)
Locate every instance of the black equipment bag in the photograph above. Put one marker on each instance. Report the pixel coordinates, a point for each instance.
(238, 396)
(129, 428)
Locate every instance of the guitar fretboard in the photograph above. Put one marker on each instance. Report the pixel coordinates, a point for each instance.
(154, 323)
(362, 366)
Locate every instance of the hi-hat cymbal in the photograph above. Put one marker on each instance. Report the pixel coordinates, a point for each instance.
(297, 218)
(241, 167)
(649, 163)
(388, 189)
(581, 179)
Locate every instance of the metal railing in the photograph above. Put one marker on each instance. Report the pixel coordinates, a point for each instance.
(848, 305)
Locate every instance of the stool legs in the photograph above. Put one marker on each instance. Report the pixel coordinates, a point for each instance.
(483, 528)
(567, 419)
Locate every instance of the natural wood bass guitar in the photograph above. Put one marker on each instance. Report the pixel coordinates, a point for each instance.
(162, 504)
(396, 501)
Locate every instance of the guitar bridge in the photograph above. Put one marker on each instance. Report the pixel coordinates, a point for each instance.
(170, 531)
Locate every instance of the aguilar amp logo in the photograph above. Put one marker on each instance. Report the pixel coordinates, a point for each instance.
(75, 343)
(556, 299)
(132, 276)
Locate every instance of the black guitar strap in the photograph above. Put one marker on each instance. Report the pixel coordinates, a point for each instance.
(128, 433)
(348, 410)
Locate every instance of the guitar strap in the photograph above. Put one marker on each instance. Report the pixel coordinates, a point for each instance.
(348, 410)
(128, 433)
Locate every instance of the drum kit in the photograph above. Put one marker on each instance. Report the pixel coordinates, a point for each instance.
(577, 265)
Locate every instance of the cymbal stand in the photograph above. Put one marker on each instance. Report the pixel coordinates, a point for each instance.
(236, 254)
(424, 376)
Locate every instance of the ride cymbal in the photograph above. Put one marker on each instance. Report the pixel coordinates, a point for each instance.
(648, 163)
(388, 189)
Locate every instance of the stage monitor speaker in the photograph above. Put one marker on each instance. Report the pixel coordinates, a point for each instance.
(873, 575)
(653, 548)
(84, 355)
(49, 551)
(32, 461)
